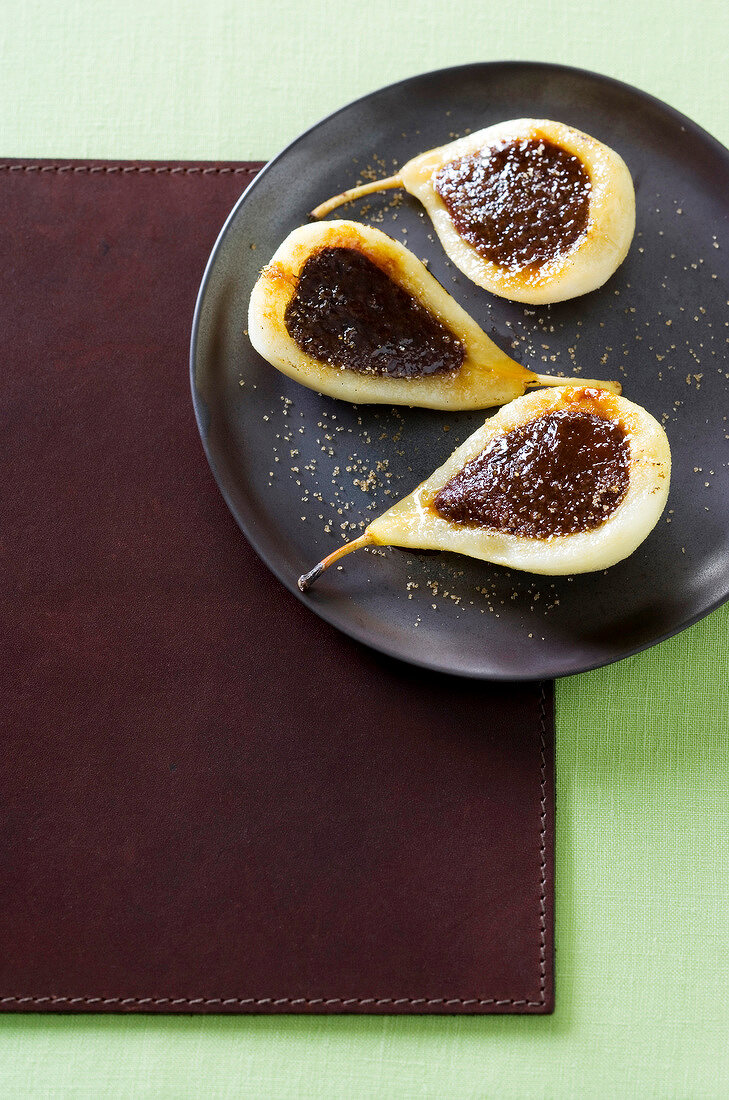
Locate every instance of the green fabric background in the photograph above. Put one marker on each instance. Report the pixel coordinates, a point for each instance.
(643, 762)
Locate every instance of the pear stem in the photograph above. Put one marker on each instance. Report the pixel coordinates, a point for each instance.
(356, 193)
(588, 383)
(307, 579)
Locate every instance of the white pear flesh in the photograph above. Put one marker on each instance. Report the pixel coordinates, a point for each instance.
(414, 523)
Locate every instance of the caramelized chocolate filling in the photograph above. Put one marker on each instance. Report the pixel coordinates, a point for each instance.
(347, 312)
(519, 205)
(563, 473)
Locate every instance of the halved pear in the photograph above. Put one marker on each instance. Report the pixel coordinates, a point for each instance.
(584, 472)
(551, 210)
(376, 313)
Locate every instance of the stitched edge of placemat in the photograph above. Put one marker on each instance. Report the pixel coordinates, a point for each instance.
(126, 168)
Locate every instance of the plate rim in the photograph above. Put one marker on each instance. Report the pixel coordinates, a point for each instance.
(351, 629)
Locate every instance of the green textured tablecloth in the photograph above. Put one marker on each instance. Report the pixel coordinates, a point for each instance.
(642, 747)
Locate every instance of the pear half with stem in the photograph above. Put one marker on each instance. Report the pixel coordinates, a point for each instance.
(558, 482)
(347, 311)
(531, 210)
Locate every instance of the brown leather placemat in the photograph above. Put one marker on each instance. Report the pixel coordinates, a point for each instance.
(211, 800)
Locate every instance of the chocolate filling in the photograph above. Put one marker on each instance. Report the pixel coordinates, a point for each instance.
(520, 204)
(565, 472)
(348, 312)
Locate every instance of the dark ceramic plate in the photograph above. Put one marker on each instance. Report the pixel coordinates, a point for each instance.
(289, 461)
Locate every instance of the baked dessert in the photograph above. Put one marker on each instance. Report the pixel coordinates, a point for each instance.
(531, 209)
(347, 311)
(561, 481)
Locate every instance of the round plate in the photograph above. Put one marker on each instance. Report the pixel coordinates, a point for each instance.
(299, 470)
